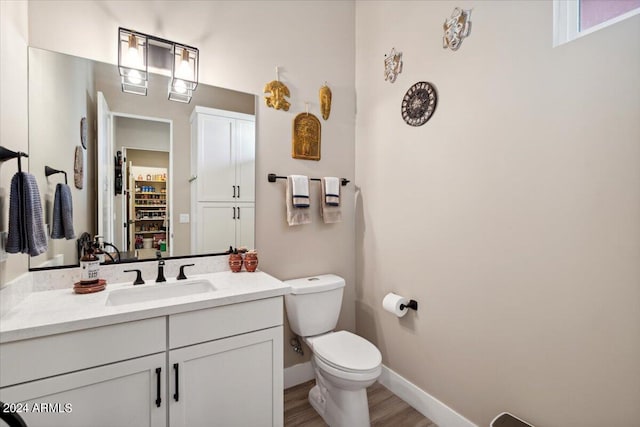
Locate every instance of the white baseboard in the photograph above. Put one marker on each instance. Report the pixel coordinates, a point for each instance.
(298, 374)
(422, 401)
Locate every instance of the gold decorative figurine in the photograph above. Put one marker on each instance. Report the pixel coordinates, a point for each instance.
(277, 92)
(325, 101)
(306, 137)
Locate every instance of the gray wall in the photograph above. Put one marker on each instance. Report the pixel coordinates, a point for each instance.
(512, 216)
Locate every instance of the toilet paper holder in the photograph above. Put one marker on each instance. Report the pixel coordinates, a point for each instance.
(413, 304)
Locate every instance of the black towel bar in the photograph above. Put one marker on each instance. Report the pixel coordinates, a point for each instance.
(272, 178)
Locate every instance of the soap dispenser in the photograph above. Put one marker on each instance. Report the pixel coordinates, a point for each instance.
(89, 266)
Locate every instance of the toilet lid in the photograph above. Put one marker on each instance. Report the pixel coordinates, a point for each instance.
(347, 351)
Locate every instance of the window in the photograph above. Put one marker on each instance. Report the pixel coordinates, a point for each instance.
(576, 18)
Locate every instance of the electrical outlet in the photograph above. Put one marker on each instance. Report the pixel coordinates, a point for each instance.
(184, 218)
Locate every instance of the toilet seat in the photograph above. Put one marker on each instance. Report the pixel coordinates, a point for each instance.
(347, 352)
(342, 375)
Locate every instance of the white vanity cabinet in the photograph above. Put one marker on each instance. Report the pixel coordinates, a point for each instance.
(233, 381)
(123, 394)
(219, 366)
(89, 377)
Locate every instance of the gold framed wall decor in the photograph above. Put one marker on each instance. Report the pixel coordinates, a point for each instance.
(306, 137)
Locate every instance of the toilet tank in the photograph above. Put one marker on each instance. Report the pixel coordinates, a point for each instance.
(313, 306)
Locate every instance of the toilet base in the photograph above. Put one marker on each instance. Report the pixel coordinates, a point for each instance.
(338, 407)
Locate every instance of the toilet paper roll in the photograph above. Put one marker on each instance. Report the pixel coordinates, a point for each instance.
(392, 303)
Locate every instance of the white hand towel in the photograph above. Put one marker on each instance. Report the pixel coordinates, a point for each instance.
(330, 211)
(296, 216)
(300, 191)
(331, 191)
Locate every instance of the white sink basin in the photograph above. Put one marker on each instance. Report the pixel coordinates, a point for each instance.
(152, 292)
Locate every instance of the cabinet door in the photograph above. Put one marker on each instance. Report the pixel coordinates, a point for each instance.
(121, 394)
(215, 159)
(245, 146)
(215, 227)
(245, 225)
(232, 382)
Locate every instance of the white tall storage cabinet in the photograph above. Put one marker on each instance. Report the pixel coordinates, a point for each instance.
(223, 191)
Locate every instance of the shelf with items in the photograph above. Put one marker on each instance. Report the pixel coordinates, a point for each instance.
(152, 239)
(149, 206)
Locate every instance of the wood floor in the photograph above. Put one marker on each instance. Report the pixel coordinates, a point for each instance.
(385, 409)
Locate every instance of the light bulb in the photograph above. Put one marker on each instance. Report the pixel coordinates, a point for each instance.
(133, 57)
(134, 77)
(179, 86)
(184, 69)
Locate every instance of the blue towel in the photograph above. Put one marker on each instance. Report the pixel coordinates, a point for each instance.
(26, 218)
(62, 214)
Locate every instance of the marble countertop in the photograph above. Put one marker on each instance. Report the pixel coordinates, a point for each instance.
(59, 311)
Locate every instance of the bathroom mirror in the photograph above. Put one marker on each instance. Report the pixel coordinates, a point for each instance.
(137, 189)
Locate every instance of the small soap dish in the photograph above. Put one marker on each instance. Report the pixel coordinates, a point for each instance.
(79, 288)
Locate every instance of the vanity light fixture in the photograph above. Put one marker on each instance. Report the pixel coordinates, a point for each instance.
(139, 53)
(133, 61)
(184, 73)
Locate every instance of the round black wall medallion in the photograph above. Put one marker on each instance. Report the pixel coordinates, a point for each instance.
(419, 103)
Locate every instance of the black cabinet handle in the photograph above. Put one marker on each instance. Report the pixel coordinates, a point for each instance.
(238, 212)
(234, 212)
(158, 398)
(234, 191)
(176, 395)
(238, 191)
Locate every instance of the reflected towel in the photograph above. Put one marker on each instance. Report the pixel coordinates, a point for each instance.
(26, 218)
(330, 211)
(296, 216)
(62, 227)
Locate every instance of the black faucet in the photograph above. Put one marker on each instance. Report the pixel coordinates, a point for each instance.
(138, 280)
(181, 275)
(160, 277)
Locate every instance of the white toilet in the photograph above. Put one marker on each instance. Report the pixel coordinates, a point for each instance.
(344, 363)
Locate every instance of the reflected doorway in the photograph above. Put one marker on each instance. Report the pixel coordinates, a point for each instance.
(143, 206)
(147, 203)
